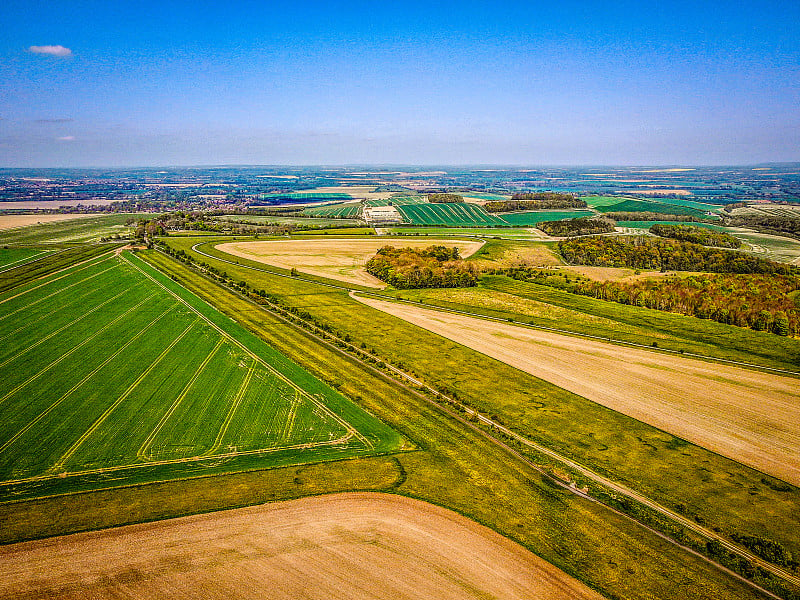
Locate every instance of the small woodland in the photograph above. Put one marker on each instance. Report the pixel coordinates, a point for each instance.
(535, 201)
(433, 267)
(576, 227)
(445, 198)
(761, 302)
(664, 255)
(696, 235)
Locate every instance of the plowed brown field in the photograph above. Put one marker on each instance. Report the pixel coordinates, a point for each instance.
(344, 546)
(746, 415)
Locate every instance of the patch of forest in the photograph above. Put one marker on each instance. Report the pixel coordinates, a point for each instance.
(535, 201)
(445, 198)
(576, 227)
(433, 267)
(696, 235)
(761, 302)
(663, 255)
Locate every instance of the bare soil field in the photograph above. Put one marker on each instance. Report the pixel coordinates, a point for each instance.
(340, 259)
(620, 273)
(357, 191)
(746, 415)
(344, 546)
(12, 221)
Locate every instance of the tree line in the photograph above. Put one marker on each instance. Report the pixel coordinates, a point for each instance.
(758, 302)
(696, 235)
(663, 255)
(433, 267)
(575, 227)
(651, 216)
(445, 198)
(535, 201)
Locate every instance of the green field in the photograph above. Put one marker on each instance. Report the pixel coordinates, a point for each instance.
(648, 206)
(645, 225)
(397, 201)
(113, 373)
(460, 214)
(531, 218)
(504, 232)
(11, 257)
(307, 197)
(611, 203)
(294, 220)
(85, 229)
(345, 210)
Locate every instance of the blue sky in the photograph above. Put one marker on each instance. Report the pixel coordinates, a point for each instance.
(183, 83)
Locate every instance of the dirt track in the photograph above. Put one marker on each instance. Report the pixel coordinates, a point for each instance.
(344, 546)
(746, 415)
(341, 259)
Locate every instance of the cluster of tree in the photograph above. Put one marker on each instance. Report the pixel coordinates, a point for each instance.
(785, 226)
(445, 198)
(664, 255)
(651, 216)
(575, 227)
(433, 267)
(760, 302)
(767, 549)
(696, 235)
(535, 201)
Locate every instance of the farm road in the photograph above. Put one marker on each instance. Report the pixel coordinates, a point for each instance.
(749, 416)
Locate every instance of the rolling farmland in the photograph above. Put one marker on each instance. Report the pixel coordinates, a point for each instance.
(114, 373)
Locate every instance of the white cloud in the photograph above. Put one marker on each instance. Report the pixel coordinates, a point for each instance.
(57, 51)
(66, 138)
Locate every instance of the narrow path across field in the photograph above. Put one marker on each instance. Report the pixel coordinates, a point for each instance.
(340, 546)
(746, 415)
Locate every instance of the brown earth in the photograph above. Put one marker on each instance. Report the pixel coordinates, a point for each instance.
(12, 221)
(344, 546)
(749, 416)
(340, 259)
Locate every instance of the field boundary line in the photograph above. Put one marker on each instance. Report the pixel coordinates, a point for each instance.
(42, 299)
(141, 452)
(253, 355)
(75, 300)
(98, 259)
(231, 411)
(101, 419)
(57, 331)
(73, 350)
(290, 418)
(503, 320)
(30, 259)
(84, 380)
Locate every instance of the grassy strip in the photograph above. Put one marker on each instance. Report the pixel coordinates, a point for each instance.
(686, 478)
(699, 336)
(461, 470)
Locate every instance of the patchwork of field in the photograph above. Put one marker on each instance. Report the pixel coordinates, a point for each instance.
(340, 259)
(111, 370)
(382, 546)
(13, 221)
(281, 220)
(746, 415)
(524, 233)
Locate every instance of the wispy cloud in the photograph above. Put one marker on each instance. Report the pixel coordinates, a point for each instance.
(66, 138)
(57, 51)
(54, 120)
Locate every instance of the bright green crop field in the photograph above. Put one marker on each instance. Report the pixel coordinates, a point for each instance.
(114, 374)
(456, 215)
(345, 210)
(11, 257)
